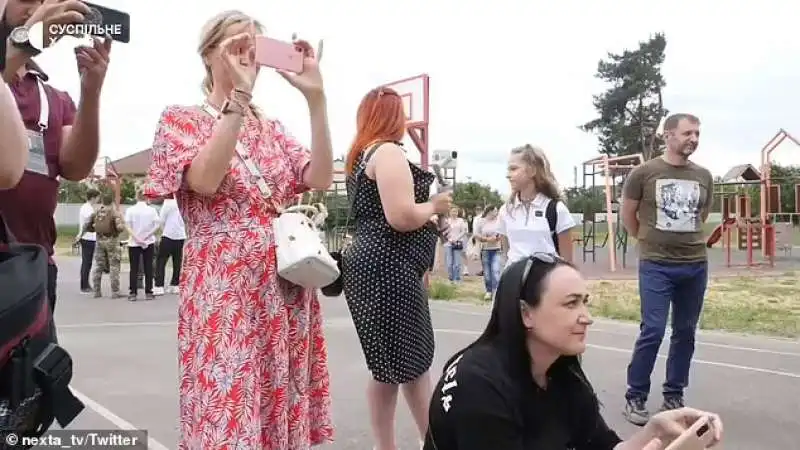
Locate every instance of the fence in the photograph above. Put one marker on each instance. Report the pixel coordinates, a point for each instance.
(67, 215)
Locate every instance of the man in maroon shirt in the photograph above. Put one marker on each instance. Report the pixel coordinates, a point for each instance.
(63, 140)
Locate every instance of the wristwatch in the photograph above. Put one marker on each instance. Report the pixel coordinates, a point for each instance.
(20, 38)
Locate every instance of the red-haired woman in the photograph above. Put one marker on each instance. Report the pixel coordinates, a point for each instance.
(392, 247)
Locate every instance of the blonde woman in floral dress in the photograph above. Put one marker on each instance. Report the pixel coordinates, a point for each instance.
(252, 356)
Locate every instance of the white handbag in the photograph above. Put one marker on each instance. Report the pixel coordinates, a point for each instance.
(301, 253)
(302, 258)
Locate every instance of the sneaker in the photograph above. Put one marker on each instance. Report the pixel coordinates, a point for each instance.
(636, 412)
(116, 295)
(157, 290)
(149, 296)
(672, 402)
(97, 295)
(87, 290)
(174, 290)
(131, 297)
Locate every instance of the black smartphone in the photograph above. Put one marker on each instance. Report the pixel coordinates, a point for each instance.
(4, 32)
(103, 21)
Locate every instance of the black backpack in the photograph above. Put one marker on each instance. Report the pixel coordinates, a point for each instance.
(552, 221)
(34, 370)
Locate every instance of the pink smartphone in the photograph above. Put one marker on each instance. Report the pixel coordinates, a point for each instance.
(278, 54)
(696, 437)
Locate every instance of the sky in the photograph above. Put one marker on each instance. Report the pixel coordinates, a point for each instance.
(503, 73)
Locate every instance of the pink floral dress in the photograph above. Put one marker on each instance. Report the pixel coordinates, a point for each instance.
(252, 354)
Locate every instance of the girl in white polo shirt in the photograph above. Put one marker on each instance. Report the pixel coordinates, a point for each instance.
(534, 220)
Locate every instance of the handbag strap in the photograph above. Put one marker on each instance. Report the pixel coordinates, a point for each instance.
(6, 236)
(248, 163)
(364, 162)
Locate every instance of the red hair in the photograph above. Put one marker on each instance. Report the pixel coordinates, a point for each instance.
(381, 117)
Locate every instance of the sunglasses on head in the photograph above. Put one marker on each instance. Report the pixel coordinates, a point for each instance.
(541, 258)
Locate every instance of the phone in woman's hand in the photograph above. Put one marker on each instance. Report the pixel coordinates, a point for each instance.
(697, 437)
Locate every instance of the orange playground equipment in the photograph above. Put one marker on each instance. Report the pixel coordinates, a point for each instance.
(750, 232)
(770, 195)
(614, 171)
(755, 233)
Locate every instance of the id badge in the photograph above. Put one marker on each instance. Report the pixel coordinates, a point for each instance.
(37, 161)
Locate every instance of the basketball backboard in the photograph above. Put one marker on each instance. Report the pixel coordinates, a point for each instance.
(339, 175)
(100, 166)
(339, 184)
(414, 92)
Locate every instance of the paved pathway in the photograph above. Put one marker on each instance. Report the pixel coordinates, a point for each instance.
(126, 365)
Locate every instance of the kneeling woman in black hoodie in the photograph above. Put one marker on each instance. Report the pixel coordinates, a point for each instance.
(520, 385)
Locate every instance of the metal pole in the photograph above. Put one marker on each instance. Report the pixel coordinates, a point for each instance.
(612, 243)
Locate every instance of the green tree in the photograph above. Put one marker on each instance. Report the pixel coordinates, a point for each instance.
(585, 200)
(127, 191)
(72, 192)
(471, 194)
(630, 110)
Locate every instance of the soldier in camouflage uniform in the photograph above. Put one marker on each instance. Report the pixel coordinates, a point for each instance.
(108, 224)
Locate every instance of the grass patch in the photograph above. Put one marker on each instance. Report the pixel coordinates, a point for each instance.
(763, 305)
(65, 236)
(442, 289)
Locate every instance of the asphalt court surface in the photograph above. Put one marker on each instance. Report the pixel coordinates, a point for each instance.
(126, 367)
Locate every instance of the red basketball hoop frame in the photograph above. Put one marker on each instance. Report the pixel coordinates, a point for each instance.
(418, 130)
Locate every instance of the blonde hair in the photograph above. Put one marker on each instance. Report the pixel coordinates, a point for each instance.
(212, 35)
(543, 178)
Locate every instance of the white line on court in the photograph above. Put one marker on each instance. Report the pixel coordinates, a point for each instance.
(470, 313)
(593, 329)
(475, 333)
(121, 423)
(628, 351)
(631, 325)
(115, 324)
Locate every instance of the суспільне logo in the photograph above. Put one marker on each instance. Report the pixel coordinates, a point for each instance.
(93, 26)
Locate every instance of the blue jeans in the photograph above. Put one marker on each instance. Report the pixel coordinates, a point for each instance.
(491, 269)
(452, 259)
(682, 285)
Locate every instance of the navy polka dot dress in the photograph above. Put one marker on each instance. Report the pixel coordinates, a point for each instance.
(382, 278)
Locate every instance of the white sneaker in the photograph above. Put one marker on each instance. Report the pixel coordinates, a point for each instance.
(158, 290)
(174, 290)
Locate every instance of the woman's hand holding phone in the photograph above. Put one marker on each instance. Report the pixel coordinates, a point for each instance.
(238, 53)
(442, 202)
(309, 81)
(668, 425)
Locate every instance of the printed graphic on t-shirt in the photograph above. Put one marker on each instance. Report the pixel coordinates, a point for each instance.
(678, 205)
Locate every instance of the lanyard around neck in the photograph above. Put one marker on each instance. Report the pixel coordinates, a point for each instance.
(248, 163)
(44, 108)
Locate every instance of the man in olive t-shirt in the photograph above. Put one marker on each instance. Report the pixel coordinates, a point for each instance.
(666, 200)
